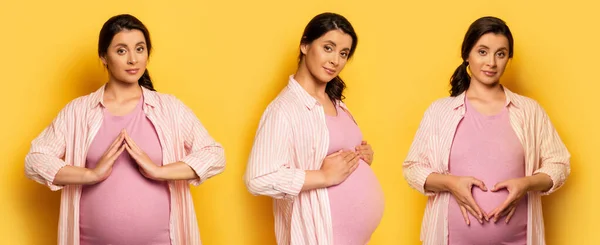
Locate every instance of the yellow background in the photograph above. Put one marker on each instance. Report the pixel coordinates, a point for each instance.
(228, 59)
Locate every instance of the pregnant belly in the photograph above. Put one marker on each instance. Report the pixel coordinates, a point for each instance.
(132, 213)
(515, 232)
(356, 206)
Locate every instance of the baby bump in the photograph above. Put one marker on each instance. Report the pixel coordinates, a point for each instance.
(489, 232)
(356, 206)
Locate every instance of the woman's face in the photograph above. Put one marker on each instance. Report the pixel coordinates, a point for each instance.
(127, 56)
(488, 58)
(326, 56)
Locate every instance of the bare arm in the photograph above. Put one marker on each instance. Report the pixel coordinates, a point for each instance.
(71, 175)
(175, 171)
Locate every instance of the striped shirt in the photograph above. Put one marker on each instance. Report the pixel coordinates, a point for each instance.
(181, 135)
(430, 151)
(292, 137)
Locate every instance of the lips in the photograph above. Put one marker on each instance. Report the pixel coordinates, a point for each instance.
(329, 71)
(132, 71)
(489, 73)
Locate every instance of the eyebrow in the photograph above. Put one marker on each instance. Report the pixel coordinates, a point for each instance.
(483, 46)
(335, 45)
(125, 45)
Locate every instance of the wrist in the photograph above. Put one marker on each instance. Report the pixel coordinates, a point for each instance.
(528, 181)
(324, 179)
(90, 177)
(448, 182)
(158, 173)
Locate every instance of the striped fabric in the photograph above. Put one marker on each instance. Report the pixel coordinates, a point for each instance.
(182, 136)
(430, 151)
(292, 137)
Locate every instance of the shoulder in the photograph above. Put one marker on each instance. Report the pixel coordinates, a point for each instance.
(443, 105)
(286, 104)
(80, 105)
(528, 105)
(164, 101)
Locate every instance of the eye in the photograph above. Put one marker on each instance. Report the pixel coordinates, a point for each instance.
(501, 54)
(121, 51)
(344, 55)
(482, 52)
(328, 48)
(140, 49)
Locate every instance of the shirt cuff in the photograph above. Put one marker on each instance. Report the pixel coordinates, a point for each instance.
(291, 182)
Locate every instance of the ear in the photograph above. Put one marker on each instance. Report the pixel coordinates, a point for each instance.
(304, 48)
(103, 58)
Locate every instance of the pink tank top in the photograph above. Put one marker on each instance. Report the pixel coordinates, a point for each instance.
(126, 208)
(357, 203)
(487, 148)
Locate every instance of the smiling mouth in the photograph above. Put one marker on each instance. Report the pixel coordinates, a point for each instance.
(330, 71)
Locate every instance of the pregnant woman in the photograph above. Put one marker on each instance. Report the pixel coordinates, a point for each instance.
(485, 153)
(309, 154)
(125, 155)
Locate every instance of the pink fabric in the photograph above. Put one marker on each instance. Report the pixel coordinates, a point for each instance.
(430, 153)
(487, 148)
(357, 203)
(65, 142)
(126, 208)
(292, 137)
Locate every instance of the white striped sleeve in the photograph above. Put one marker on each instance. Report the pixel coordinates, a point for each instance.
(554, 156)
(45, 157)
(203, 154)
(417, 166)
(269, 171)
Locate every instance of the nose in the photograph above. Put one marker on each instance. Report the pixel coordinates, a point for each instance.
(492, 61)
(335, 60)
(131, 59)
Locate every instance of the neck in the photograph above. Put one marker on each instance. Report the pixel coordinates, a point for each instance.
(120, 91)
(485, 92)
(310, 83)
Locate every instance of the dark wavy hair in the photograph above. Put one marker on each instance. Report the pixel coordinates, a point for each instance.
(115, 25)
(319, 26)
(461, 80)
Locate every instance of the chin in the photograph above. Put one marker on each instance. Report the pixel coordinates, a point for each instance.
(327, 78)
(129, 80)
(488, 81)
(492, 82)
